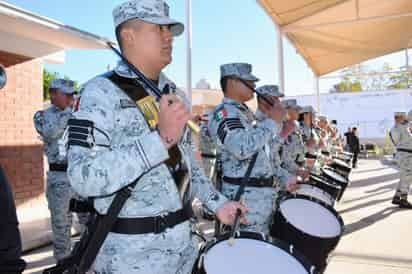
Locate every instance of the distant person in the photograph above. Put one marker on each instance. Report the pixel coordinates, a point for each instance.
(402, 140)
(354, 146)
(50, 124)
(10, 241)
(348, 135)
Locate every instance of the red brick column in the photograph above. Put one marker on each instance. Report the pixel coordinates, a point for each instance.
(21, 153)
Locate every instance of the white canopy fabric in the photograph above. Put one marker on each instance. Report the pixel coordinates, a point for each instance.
(333, 34)
(27, 34)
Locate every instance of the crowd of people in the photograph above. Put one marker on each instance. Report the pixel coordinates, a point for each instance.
(103, 143)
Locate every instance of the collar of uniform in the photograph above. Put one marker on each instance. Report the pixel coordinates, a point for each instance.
(124, 71)
(260, 115)
(237, 104)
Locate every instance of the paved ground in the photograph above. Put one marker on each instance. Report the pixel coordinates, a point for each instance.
(377, 234)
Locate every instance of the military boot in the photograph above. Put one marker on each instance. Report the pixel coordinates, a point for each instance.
(404, 203)
(396, 199)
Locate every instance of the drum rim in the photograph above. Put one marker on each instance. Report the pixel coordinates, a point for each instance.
(317, 187)
(305, 197)
(323, 181)
(334, 179)
(307, 265)
(341, 163)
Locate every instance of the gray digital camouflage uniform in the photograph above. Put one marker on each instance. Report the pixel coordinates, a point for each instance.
(293, 151)
(402, 139)
(124, 148)
(50, 124)
(237, 141)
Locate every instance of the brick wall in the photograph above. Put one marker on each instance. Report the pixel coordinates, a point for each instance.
(21, 153)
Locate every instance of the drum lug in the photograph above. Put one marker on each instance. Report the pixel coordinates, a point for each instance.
(263, 236)
(200, 262)
(237, 234)
(312, 269)
(291, 248)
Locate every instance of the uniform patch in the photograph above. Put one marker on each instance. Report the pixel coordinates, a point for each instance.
(220, 114)
(76, 104)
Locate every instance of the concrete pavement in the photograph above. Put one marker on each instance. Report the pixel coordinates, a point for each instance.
(377, 235)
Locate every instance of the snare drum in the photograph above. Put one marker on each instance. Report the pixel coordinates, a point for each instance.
(341, 167)
(315, 192)
(310, 225)
(250, 253)
(337, 179)
(330, 188)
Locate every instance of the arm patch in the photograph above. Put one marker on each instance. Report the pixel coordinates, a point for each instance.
(228, 125)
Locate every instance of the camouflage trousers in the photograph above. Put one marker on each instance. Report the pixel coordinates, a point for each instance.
(259, 201)
(405, 175)
(59, 193)
(171, 252)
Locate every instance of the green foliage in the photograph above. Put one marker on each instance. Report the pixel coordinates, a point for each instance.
(358, 78)
(47, 77)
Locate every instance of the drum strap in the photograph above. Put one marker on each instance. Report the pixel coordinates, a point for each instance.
(245, 179)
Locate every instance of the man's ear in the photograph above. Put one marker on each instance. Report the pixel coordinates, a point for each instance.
(127, 35)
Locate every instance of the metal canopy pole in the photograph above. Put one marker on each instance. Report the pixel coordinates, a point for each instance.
(407, 67)
(317, 94)
(189, 50)
(281, 63)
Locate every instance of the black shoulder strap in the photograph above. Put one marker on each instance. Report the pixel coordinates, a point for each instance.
(104, 225)
(129, 85)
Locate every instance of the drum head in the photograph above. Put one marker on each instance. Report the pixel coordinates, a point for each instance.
(334, 175)
(311, 217)
(315, 192)
(248, 256)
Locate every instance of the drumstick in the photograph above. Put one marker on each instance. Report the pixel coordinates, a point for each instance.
(236, 224)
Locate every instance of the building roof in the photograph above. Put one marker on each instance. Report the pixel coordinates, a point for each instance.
(24, 33)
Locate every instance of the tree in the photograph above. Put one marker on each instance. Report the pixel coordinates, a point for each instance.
(350, 82)
(359, 77)
(47, 77)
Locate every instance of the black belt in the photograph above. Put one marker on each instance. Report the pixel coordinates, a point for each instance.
(57, 167)
(156, 225)
(206, 155)
(404, 150)
(251, 182)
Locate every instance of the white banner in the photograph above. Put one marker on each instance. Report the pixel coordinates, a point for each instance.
(371, 112)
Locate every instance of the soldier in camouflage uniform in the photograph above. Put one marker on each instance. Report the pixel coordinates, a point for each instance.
(238, 139)
(50, 124)
(402, 140)
(207, 146)
(293, 149)
(112, 145)
(282, 176)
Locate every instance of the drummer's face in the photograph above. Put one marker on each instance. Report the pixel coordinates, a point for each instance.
(293, 114)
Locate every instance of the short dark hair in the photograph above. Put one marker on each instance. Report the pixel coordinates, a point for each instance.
(354, 128)
(119, 30)
(223, 83)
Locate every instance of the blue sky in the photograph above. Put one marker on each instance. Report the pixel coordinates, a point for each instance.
(223, 31)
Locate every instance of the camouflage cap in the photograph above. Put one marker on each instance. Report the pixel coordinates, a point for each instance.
(307, 109)
(271, 90)
(323, 117)
(152, 11)
(238, 70)
(289, 103)
(400, 113)
(62, 85)
(409, 117)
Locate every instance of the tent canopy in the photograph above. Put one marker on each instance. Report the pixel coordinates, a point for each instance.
(333, 34)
